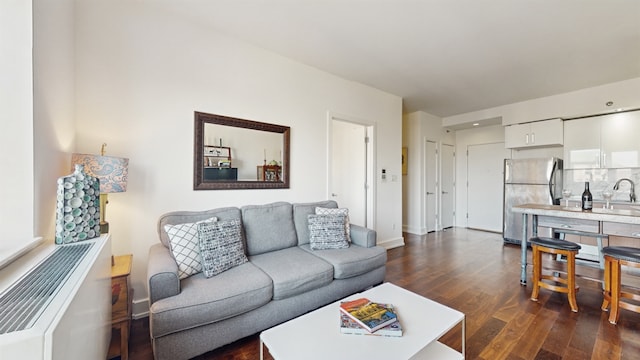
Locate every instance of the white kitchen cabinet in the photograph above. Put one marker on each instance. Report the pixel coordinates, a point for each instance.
(607, 141)
(534, 134)
(516, 136)
(620, 140)
(582, 143)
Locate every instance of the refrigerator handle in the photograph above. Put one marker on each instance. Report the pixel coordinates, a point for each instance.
(552, 181)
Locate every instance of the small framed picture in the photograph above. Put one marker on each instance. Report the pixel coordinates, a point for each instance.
(217, 151)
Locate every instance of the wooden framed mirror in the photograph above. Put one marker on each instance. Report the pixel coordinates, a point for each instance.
(231, 153)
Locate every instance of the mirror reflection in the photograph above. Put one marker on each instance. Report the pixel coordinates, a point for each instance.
(233, 153)
(246, 152)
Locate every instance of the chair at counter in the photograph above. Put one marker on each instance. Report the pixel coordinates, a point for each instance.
(614, 293)
(557, 247)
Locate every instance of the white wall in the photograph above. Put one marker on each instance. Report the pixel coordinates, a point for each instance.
(54, 103)
(413, 182)
(583, 102)
(418, 127)
(141, 73)
(16, 139)
(37, 111)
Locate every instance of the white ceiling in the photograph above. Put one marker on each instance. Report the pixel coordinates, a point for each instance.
(444, 57)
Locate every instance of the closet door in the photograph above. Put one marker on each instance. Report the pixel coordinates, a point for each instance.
(485, 166)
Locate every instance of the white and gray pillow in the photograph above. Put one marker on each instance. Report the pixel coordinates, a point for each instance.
(327, 232)
(185, 247)
(340, 211)
(221, 246)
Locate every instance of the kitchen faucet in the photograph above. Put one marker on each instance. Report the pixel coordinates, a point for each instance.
(632, 192)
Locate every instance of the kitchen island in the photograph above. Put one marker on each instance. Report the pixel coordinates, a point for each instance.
(599, 223)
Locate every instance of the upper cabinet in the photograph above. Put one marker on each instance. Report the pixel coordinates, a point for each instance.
(620, 140)
(582, 143)
(534, 134)
(607, 141)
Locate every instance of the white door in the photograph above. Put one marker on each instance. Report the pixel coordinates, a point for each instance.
(431, 185)
(485, 163)
(447, 185)
(349, 164)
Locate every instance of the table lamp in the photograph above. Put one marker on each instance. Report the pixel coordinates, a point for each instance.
(112, 172)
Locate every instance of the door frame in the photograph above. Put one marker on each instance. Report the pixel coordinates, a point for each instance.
(453, 185)
(370, 186)
(436, 195)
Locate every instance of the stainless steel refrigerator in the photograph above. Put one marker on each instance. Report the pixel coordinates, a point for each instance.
(529, 181)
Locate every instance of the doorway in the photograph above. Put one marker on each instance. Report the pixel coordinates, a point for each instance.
(351, 168)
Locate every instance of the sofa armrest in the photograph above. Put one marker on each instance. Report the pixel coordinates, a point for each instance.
(162, 274)
(363, 236)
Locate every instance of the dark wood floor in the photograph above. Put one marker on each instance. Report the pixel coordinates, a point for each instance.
(473, 272)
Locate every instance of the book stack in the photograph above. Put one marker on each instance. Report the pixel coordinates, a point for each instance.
(365, 317)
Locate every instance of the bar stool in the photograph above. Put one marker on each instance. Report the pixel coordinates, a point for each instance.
(557, 247)
(614, 258)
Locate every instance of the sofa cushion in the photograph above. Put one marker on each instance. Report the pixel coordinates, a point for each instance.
(301, 212)
(293, 271)
(354, 261)
(327, 232)
(340, 211)
(185, 248)
(207, 300)
(268, 227)
(221, 246)
(182, 217)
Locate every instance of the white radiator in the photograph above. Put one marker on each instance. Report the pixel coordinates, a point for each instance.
(55, 302)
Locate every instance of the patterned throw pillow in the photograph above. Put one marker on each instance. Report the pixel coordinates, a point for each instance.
(334, 211)
(327, 232)
(183, 239)
(221, 246)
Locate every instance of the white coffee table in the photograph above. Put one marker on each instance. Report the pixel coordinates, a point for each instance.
(316, 335)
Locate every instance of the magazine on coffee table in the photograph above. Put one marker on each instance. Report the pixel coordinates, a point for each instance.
(370, 315)
(349, 326)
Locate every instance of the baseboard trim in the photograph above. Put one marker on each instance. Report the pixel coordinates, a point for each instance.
(392, 243)
(414, 230)
(140, 308)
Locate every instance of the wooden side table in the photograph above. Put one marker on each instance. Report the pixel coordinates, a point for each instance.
(269, 172)
(121, 297)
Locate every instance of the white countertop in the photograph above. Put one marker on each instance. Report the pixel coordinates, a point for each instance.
(625, 216)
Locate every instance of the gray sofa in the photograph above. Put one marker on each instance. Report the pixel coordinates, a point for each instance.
(283, 279)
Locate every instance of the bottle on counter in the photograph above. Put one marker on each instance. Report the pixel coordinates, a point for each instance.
(587, 198)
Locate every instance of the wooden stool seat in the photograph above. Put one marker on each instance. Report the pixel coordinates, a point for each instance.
(614, 258)
(557, 247)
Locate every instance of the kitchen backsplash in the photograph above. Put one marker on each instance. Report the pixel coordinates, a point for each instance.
(599, 180)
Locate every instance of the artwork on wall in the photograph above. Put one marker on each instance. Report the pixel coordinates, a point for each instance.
(405, 150)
